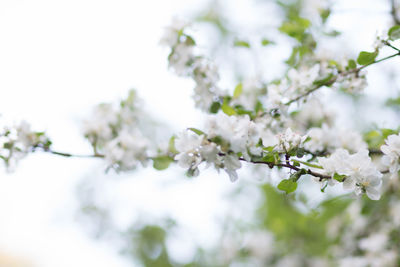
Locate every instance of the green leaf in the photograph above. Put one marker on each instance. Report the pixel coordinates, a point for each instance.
(287, 185)
(265, 42)
(366, 58)
(300, 152)
(215, 106)
(171, 145)
(162, 162)
(238, 90)
(324, 187)
(259, 106)
(295, 28)
(228, 110)
(339, 177)
(190, 41)
(324, 13)
(196, 131)
(271, 157)
(394, 32)
(376, 138)
(241, 111)
(241, 43)
(325, 81)
(351, 64)
(307, 163)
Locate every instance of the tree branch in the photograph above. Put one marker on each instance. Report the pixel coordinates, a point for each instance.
(356, 70)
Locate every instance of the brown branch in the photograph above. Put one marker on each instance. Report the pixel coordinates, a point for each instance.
(289, 166)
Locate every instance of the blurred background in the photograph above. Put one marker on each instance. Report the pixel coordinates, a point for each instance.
(58, 59)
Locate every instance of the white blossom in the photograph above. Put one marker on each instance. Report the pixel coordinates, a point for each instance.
(171, 34)
(289, 140)
(127, 150)
(351, 83)
(361, 174)
(392, 153)
(329, 138)
(239, 131)
(99, 128)
(231, 164)
(188, 144)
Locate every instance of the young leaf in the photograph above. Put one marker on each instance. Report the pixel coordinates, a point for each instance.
(351, 64)
(338, 177)
(238, 90)
(287, 185)
(162, 162)
(366, 58)
(196, 131)
(215, 106)
(241, 43)
(394, 33)
(228, 110)
(265, 42)
(171, 145)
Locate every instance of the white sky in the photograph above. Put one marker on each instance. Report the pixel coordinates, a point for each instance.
(57, 60)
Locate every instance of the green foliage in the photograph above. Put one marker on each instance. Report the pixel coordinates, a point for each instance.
(265, 42)
(393, 102)
(130, 100)
(295, 28)
(228, 110)
(325, 13)
(215, 106)
(338, 177)
(287, 185)
(259, 107)
(238, 90)
(394, 32)
(328, 80)
(290, 185)
(197, 131)
(351, 64)
(306, 163)
(241, 43)
(376, 138)
(162, 162)
(366, 58)
(171, 145)
(304, 233)
(271, 156)
(189, 40)
(149, 246)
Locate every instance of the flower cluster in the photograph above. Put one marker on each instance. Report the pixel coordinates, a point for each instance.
(297, 83)
(328, 139)
(229, 139)
(352, 83)
(289, 141)
(391, 152)
(194, 149)
(183, 60)
(115, 133)
(16, 142)
(357, 171)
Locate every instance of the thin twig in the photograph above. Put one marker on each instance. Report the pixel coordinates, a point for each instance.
(73, 155)
(356, 70)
